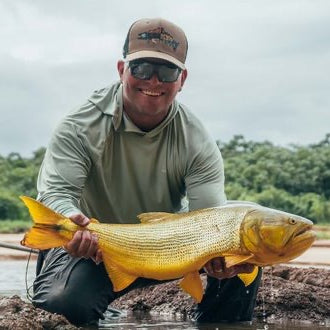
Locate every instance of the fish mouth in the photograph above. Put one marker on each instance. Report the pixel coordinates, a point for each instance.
(303, 231)
(305, 234)
(301, 241)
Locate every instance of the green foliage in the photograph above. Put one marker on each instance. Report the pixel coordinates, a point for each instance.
(295, 178)
(18, 177)
(9, 207)
(14, 226)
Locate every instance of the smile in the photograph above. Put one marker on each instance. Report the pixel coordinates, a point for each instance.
(151, 93)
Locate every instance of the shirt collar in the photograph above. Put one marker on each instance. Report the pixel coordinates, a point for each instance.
(129, 125)
(110, 101)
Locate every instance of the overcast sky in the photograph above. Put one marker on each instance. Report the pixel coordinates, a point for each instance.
(260, 68)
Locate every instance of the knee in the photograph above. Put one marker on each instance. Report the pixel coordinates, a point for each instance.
(76, 310)
(81, 294)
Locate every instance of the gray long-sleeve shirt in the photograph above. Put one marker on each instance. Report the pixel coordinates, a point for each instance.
(99, 163)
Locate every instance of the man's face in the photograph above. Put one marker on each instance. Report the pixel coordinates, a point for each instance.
(148, 98)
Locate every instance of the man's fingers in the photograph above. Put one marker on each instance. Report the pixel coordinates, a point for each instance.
(246, 268)
(217, 268)
(80, 219)
(98, 257)
(73, 245)
(231, 272)
(92, 249)
(217, 265)
(86, 245)
(208, 267)
(238, 269)
(83, 244)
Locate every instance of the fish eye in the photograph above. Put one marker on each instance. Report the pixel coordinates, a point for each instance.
(292, 221)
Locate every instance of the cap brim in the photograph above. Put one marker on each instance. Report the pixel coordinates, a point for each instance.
(152, 54)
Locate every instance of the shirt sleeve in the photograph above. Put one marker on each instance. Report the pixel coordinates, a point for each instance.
(64, 170)
(205, 176)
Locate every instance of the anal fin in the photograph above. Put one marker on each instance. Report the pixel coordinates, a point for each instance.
(120, 279)
(248, 278)
(192, 284)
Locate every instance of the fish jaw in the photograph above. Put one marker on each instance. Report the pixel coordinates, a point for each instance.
(273, 236)
(301, 242)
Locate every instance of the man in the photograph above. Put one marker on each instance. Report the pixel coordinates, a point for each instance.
(132, 148)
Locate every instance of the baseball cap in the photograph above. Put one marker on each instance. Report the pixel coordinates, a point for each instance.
(156, 38)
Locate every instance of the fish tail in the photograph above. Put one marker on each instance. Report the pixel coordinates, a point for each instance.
(45, 232)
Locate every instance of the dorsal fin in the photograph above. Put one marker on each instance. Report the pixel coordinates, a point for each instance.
(156, 216)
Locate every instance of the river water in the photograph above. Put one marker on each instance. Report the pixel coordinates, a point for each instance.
(12, 277)
(15, 277)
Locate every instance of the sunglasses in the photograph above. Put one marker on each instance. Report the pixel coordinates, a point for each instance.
(145, 70)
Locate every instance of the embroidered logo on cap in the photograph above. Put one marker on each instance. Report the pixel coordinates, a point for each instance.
(159, 35)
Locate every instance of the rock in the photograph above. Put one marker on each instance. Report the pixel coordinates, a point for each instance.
(17, 314)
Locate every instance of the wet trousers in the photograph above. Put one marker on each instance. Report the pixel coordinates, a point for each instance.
(81, 291)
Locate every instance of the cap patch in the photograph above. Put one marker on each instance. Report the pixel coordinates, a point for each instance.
(159, 35)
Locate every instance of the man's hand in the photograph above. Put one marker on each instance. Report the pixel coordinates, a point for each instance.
(83, 244)
(217, 268)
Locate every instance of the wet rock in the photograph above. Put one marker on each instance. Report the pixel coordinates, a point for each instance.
(17, 314)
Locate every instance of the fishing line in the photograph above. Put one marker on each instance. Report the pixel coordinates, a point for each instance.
(27, 288)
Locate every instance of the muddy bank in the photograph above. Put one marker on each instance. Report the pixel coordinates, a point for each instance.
(301, 294)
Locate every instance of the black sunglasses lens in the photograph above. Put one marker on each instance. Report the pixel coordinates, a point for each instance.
(168, 74)
(145, 70)
(142, 71)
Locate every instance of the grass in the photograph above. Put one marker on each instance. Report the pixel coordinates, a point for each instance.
(14, 226)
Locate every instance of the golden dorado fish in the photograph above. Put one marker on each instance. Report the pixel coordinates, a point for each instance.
(168, 246)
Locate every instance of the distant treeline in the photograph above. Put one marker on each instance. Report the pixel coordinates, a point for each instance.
(295, 179)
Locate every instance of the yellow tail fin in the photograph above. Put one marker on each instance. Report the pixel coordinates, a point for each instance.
(45, 232)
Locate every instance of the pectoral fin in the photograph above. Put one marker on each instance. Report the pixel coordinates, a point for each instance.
(232, 260)
(249, 278)
(120, 279)
(192, 284)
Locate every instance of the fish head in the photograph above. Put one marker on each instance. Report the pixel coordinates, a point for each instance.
(273, 236)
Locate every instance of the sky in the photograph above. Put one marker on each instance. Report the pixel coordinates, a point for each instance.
(258, 68)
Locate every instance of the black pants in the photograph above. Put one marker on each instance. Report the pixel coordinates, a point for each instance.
(81, 291)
